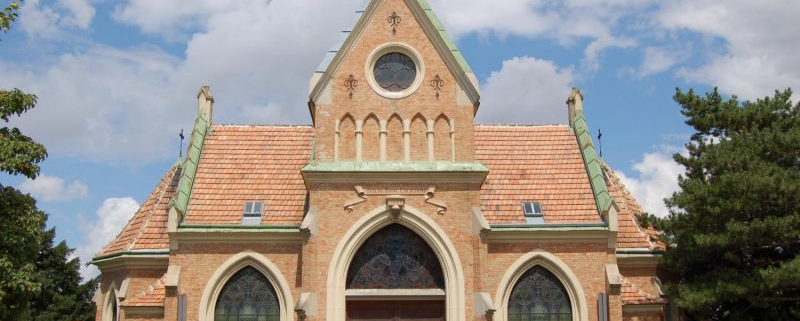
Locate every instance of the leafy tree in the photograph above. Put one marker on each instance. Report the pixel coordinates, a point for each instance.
(21, 226)
(734, 227)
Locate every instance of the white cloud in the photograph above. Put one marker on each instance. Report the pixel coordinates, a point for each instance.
(112, 216)
(526, 90)
(565, 22)
(127, 105)
(656, 60)
(657, 179)
(52, 188)
(760, 47)
(49, 21)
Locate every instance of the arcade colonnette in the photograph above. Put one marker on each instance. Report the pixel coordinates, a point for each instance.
(392, 205)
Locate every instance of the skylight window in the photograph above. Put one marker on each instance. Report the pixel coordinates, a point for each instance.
(533, 212)
(252, 213)
(253, 208)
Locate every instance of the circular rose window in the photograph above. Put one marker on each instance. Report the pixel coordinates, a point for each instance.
(395, 72)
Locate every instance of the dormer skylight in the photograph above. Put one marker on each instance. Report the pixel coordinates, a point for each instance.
(252, 213)
(533, 212)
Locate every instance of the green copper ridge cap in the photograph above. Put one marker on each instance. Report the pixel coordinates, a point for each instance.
(593, 166)
(359, 13)
(445, 36)
(378, 167)
(202, 126)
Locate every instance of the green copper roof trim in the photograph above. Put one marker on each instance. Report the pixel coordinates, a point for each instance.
(592, 163)
(431, 16)
(395, 167)
(155, 254)
(552, 227)
(288, 228)
(202, 126)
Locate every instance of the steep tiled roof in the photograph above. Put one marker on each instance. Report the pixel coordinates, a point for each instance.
(630, 235)
(631, 294)
(152, 297)
(147, 229)
(534, 163)
(251, 163)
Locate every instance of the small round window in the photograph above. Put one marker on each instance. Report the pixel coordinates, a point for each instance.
(395, 72)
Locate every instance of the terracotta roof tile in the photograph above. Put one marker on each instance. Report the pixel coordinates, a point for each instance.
(534, 163)
(152, 297)
(630, 235)
(251, 163)
(631, 294)
(147, 229)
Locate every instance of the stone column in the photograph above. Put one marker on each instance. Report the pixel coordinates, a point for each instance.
(406, 140)
(452, 140)
(383, 134)
(431, 146)
(336, 141)
(359, 140)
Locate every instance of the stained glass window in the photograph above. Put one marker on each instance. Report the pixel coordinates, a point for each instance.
(395, 258)
(539, 295)
(248, 296)
(395, 72)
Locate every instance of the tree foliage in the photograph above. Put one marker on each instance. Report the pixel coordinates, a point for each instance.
(9, 15)
(734, 227)
(21, 224)
(19, 154)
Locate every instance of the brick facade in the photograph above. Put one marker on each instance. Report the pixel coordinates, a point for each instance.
(366, 162)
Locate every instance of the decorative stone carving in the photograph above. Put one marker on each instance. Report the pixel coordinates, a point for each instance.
(435, 201)
(395, 204)
(361, 197)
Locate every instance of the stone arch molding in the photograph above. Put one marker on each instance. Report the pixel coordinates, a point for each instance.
(108, 302)
(237, 262)
(553, 264)
(416, 221)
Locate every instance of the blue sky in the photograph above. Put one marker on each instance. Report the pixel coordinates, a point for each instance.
(117, 80)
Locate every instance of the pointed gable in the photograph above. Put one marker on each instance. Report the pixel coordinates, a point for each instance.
(425, 18)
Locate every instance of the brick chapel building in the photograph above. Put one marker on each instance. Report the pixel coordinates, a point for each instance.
(392, 205)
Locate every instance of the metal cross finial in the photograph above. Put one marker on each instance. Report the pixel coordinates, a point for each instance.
(394, 20)
(600, 141)
(180, 150)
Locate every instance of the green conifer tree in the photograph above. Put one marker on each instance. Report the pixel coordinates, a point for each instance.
(734, 227)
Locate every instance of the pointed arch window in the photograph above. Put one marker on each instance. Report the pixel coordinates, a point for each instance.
(395, 258)
(247, 296)
(539, 295)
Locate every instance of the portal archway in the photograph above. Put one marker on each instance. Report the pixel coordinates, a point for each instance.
(421, 225)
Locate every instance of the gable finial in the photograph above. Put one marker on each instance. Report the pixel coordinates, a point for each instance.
(180, 149)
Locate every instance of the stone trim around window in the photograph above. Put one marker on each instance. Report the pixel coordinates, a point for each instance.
(230, 267)
(415, 220)
(404, 49)
(553, 264)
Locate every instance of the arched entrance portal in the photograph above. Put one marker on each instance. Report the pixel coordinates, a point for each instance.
(395, 275)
